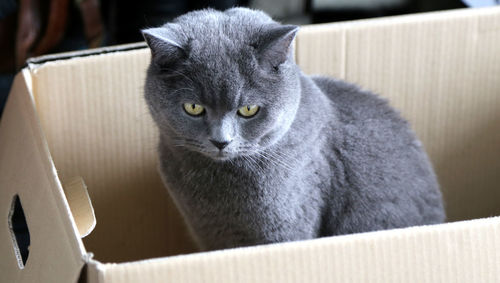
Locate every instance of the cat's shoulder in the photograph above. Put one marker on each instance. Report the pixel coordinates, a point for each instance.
(352, 101)
(347, 94)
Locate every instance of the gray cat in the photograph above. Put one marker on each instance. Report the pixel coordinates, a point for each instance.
(253, 151)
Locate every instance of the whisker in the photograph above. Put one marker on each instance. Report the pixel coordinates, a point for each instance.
(250, 165)
(284, 156)
(275, 160)
(288, 160)
(256, 162)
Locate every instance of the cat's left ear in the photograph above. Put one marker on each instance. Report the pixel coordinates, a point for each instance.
(274, 44)
(166, 47)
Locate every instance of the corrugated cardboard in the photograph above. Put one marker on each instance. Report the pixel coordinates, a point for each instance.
(27, 170)
(81, 206)
(457, 252)
(82, 116)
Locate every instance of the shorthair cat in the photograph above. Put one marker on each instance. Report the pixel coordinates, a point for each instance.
(254, 151)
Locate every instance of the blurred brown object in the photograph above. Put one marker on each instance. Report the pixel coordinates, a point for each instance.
(29, 41)
(41, 26)
(92, 23)
(54, 30)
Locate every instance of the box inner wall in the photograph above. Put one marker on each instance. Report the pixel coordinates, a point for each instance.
(441, 73)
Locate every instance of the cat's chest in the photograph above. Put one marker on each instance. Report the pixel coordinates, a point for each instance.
(252, 181)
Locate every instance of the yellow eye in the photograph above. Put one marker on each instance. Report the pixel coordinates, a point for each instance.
(248, 111)
(194, 109)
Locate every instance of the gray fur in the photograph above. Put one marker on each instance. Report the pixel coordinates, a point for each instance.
(321, 157)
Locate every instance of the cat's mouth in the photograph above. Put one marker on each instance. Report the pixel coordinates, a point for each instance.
(223, 155)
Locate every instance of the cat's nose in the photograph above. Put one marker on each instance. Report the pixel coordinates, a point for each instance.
(220, 144)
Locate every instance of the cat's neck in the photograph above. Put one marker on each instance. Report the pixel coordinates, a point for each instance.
(316, 113)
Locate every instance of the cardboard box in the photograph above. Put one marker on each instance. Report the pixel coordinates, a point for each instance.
(81, 116)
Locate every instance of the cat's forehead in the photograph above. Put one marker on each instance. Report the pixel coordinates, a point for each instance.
(211, 28)
(222, 84)
(236, 21)
(222, 65)
(219, 42)
(225, 87)
(221, 58)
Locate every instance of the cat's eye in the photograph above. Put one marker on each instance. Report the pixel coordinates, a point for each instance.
(248, 111)
(194, 109)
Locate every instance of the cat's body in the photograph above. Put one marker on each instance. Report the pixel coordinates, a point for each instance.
(343, 162)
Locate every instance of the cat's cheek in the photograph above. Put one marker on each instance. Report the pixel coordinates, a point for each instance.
(253, 130)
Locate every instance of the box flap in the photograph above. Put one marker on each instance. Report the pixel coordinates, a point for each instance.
(27, 171)
(80, 204)
(457, 252)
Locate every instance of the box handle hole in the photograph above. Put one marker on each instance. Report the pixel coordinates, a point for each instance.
(19, 232)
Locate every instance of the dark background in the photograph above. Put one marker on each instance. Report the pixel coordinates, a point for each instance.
(121, 21)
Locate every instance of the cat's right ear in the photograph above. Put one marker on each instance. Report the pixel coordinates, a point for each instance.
(274, 44)
(166, 47)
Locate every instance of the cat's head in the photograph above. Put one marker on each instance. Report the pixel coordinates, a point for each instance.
(222, 83)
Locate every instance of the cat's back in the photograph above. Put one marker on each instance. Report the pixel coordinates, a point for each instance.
(364, 117)
(355, 104)
(387, 170)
